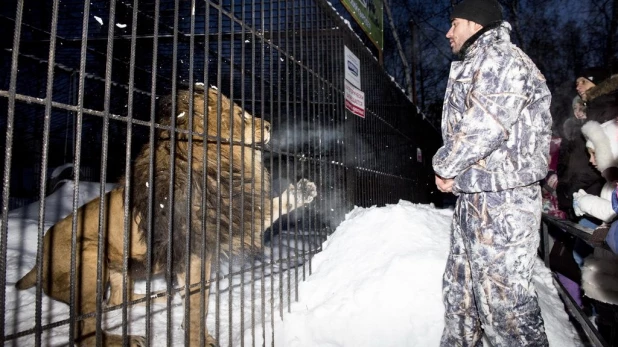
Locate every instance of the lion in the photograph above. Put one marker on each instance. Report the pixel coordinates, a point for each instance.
(204, 193)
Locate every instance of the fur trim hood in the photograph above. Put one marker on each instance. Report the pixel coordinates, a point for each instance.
(600, 276)
(603, 138)
(608, 86)
(601, 102)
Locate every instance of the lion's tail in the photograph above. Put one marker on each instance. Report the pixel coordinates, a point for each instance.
(28, 281)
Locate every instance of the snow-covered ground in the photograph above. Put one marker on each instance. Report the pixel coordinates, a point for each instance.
(377, 282)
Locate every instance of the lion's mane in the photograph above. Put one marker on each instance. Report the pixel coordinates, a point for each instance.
(230, 191)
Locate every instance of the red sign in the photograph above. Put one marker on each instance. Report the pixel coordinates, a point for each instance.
(354, 100)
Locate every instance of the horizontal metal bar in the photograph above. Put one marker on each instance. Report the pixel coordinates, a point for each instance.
(226, 36)
(568, 226)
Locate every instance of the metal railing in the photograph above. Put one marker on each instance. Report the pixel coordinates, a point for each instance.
(578, 314)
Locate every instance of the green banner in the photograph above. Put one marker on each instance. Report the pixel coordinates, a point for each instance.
(369, 15)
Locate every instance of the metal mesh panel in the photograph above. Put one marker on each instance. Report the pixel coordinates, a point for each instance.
(94, 84)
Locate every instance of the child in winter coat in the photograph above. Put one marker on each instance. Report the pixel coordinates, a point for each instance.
(600, 269)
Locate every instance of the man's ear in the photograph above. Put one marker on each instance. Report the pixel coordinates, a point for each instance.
(477, 27)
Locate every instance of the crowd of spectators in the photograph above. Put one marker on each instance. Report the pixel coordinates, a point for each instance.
(581, 186)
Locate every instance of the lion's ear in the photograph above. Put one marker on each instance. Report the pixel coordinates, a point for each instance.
(199, 87)
(181, 117)
(212, 98)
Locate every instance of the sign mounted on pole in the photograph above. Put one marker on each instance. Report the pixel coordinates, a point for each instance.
(369, 15)
(352, 67)
(354, 96)
(354, 100)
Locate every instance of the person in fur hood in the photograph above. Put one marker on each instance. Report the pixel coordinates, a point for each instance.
(602, 144)
(599, 92)
(600, 270)
(574, 172)
(597, 100)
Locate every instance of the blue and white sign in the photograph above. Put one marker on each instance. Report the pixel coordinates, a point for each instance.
(352, 68)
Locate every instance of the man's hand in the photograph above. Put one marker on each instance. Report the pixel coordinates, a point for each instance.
(445, 185)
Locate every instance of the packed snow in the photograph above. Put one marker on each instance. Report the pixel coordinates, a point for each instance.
(377, 282)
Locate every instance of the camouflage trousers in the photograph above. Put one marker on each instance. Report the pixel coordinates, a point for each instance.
(487, 281)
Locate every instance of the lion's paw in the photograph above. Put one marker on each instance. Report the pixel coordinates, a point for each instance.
(210, 341)
(112, 340)
(138, 341)
(298, 195)
(306, 191)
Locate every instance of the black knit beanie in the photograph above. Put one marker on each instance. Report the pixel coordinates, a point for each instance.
(482, 12)
(595, 75)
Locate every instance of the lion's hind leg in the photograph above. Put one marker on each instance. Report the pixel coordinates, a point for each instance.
(115, 292)
(197, 325)
(86, 332)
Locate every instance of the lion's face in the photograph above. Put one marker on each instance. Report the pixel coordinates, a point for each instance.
(225, 120)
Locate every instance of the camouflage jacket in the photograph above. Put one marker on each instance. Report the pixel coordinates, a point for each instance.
(496, 123)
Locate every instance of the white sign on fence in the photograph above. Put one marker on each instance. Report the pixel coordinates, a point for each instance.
(352, 67)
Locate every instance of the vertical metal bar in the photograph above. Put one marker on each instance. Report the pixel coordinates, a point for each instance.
(104, 154)
(322, 107)
(77, 166)
(262, 197)
(151, 169)
(6, 184)
(205, 281)
(45, 157)
(253, 202)
(340, 180)
(127, 196)
(373, 163)
(302, 57)
(289, 156)
(280, 90)
(339, 116)
(317, 101)
(546, 249)
(218, 179)
(296, 56)
(230, 189)
(329, 122)
(169, 272)
(242, 177)
(375, 178)
(189, 198)
(271, 79)
(366, 126)
(206, 111)
(312, 109)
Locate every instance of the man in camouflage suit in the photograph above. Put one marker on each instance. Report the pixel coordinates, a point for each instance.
(496, 129)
